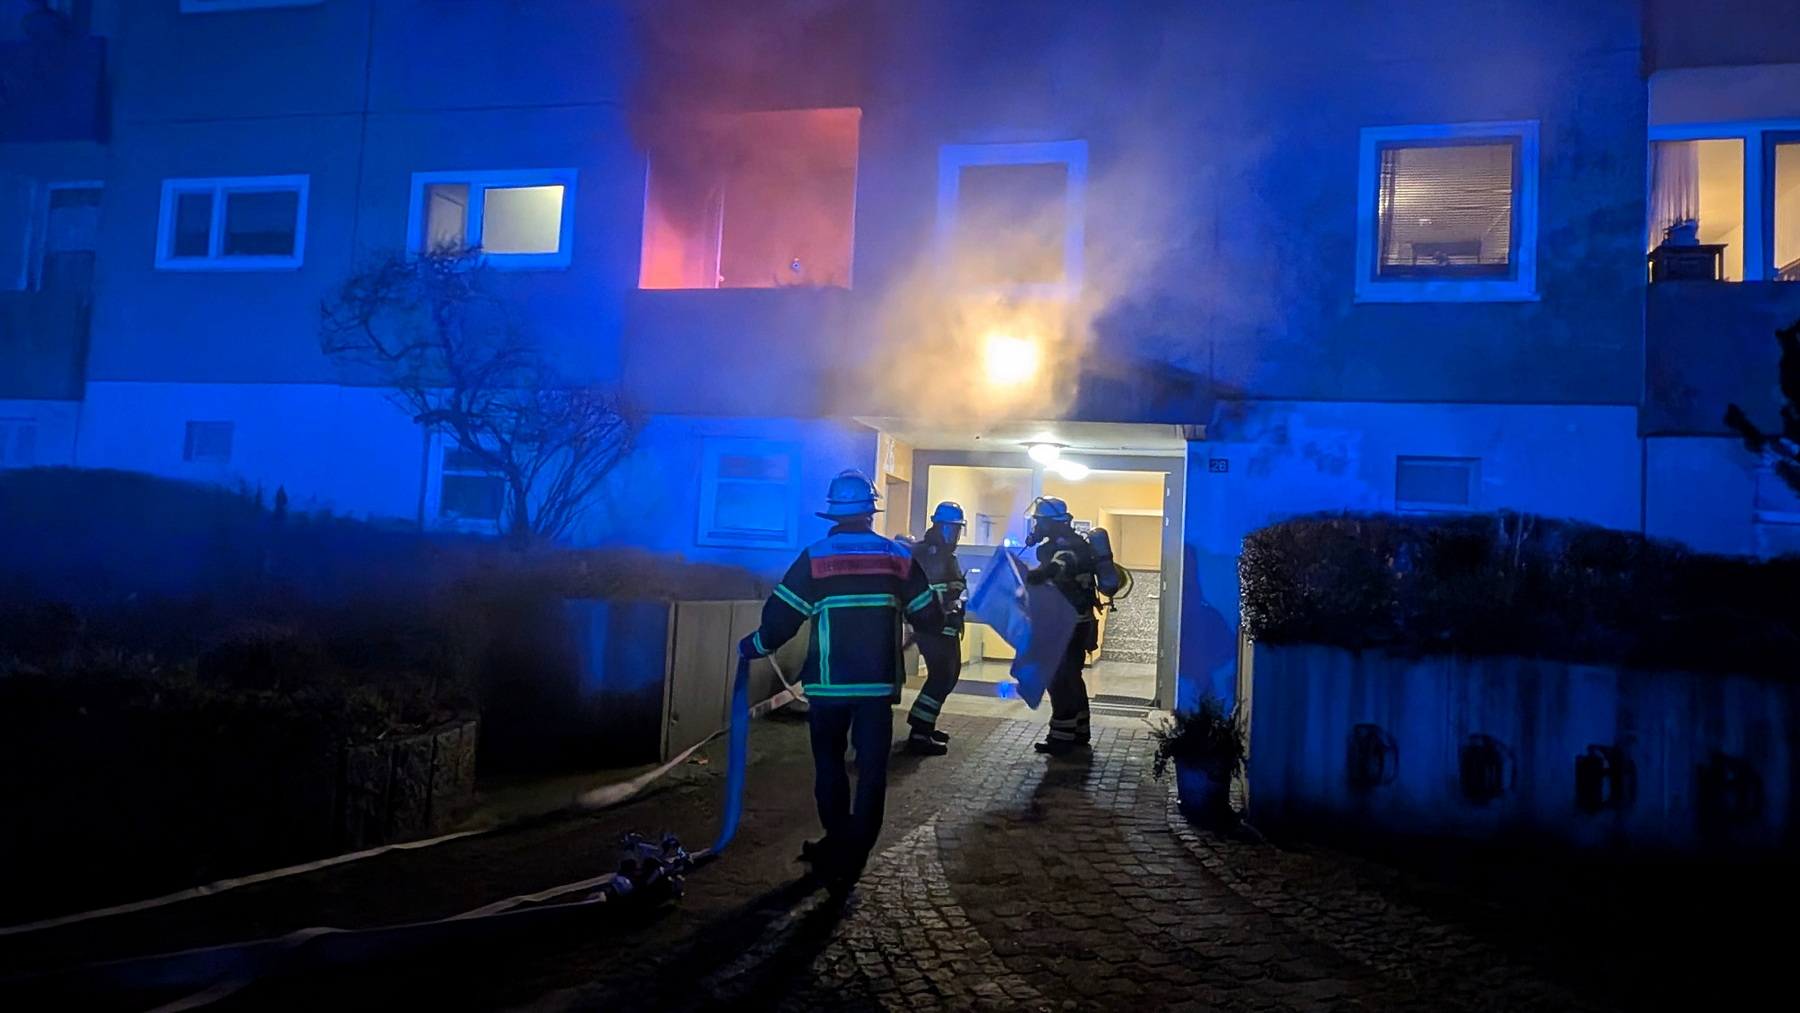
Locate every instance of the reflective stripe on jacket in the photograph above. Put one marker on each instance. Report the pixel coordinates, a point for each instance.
(856, 587)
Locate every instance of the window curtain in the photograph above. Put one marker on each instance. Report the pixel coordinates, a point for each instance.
(1674, 187)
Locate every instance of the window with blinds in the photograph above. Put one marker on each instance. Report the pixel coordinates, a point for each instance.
(1446, 209)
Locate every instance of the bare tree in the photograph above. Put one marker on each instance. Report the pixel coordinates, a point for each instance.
(457, 356)
(1782, 449)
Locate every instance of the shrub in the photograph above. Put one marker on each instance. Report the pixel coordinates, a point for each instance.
(1207, 737)
(1511, 584)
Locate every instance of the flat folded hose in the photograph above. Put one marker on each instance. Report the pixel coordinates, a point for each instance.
(223, 970)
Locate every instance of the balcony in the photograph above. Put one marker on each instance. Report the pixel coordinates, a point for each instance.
(740, 352)
(43, 345)
(1709, 345)
(53, 89)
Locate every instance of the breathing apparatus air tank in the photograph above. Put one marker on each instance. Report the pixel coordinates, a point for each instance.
(1106, 572)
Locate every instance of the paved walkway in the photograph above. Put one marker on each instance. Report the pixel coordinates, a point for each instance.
(1074, 884)
(1005, 881)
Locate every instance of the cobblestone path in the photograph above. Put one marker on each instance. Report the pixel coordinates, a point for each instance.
(1020, 883)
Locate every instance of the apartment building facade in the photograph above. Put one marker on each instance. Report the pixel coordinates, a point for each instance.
(1280, 257)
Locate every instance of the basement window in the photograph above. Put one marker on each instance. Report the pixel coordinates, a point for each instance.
(751, 200)
(470, 495)
(208, 442)
(516, 219)
(1776, 502)
(18, 443)
(1448, 213)
(1434, 484)
(750, 494)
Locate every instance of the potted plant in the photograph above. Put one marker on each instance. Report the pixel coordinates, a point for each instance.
(1206, 747)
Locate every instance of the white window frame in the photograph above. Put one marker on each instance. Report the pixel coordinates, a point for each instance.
(478, 183)
(215, 6)
(1421, 507)
(1759, 245)
(1758, 514)
(1522, 287)
(953, 158)
(712, 450)
(441, 442)
(220, 187)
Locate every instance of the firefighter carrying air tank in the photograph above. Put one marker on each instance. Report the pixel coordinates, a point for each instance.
(1082, 568)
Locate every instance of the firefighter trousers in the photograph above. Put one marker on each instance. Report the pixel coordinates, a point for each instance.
(851, 825)
(1068, 691)
(942, 654)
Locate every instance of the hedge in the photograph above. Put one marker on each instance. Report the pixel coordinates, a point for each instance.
(1518, 585)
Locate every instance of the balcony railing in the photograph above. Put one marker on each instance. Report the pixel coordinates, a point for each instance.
(53, 90)
(43, 345)
(1709, 345)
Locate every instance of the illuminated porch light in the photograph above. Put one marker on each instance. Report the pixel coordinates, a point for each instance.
(1009, 361)
(1044, 453)
(1072, 470)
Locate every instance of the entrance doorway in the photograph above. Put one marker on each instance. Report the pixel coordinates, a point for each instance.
(1126, 479)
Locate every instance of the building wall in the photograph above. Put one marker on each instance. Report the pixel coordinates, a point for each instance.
(343, 449)
(1288, 459)
(653, 500)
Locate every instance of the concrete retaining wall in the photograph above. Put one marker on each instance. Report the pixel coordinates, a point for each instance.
(1521, 750)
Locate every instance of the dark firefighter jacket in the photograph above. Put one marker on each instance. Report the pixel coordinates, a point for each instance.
(944, 571)
(855, 586)
(1067, 561)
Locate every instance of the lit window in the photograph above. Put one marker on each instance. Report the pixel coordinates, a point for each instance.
(1448, 213)
(1434, 484)
(516, 219)
(470, 494)
(1784, 204)
(1697, 200)
(1447, 210)
(208, 442)
(248, 223)
(752, 200)
(750, 494)
(1011, 217)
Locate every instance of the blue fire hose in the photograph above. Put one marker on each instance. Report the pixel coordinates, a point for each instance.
(649, 872)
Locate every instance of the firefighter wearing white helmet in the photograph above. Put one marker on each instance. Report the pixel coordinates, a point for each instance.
(1068, 562)
(856, 587)
(941, 649)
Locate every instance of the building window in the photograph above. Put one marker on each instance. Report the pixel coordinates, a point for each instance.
(1776, 502)
(18, 443)
(245, 223)
(518, 219)
(750, 494)
(208, 442)
(1435, 484)
(1448, 213)
(751, 200)
(1011, 217)
(208, 6)
(1697, 197)
(470, 494)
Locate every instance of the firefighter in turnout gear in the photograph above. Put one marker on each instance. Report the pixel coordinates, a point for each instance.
(856, 587)
(1067, 561)
(941, 649)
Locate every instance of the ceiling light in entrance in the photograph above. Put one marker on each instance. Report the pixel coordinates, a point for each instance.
(1008, 360)
(1044, 453)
